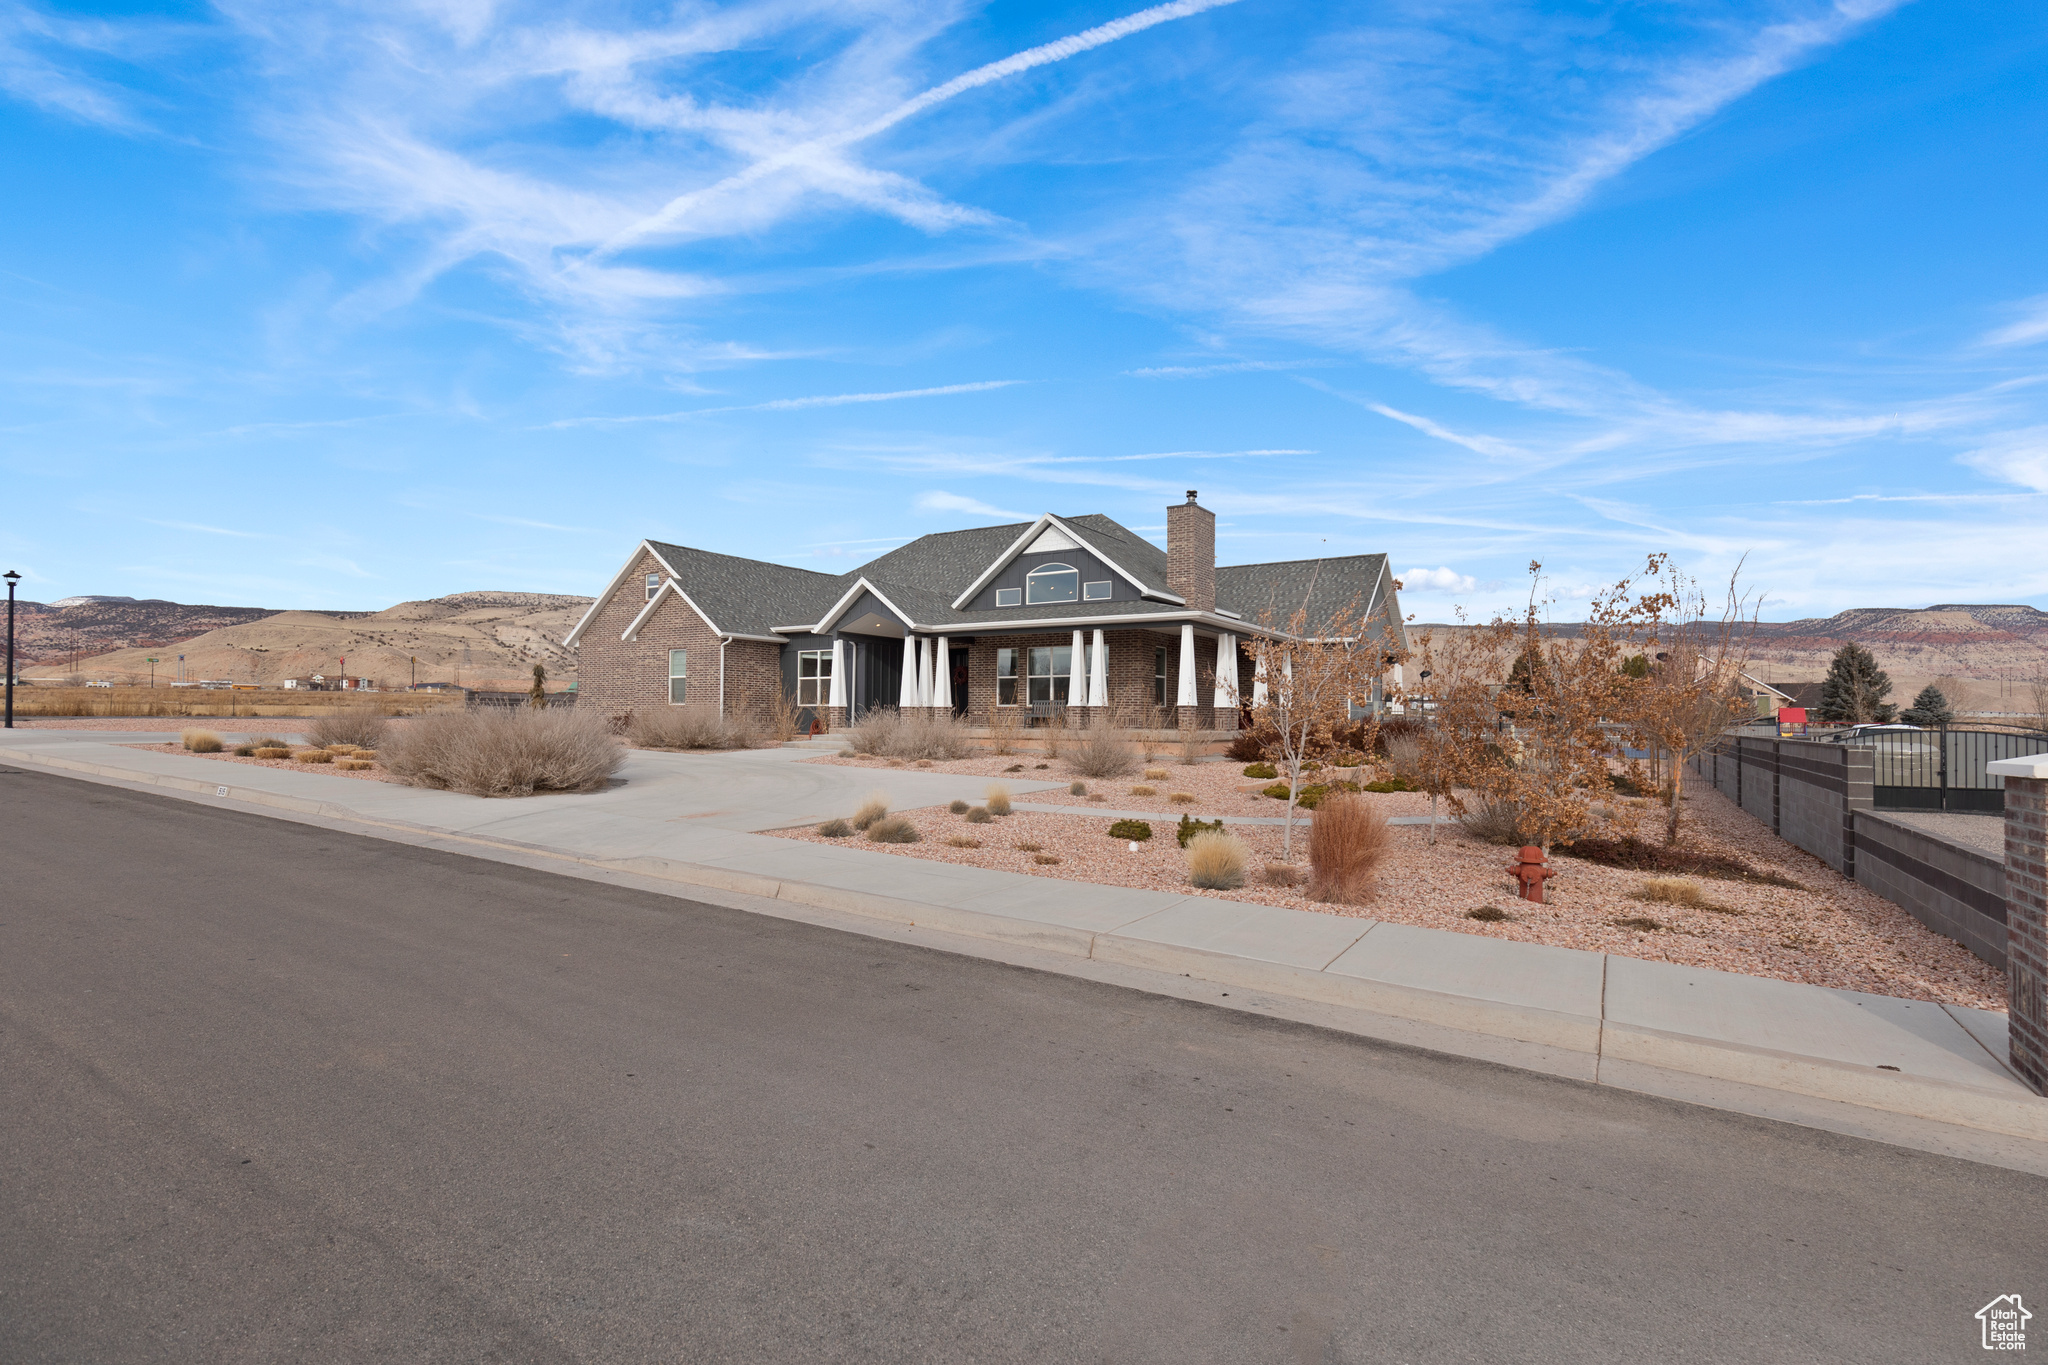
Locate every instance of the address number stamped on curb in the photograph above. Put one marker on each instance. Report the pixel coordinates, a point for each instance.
(220, 791)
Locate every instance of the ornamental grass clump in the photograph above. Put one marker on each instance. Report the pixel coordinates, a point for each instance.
(1347, 840)
(871, 810)
(835, 829)
(271, 751)
(1101, 752)
(314, 756)
(688, 727)
(1282, 874)
(359, 726)
(1077, 789)
(200, 741)
(1217, 860)
(961, 841)
(504, 753)
(1144, 791)
(1181, 798)
(958, 807)
(1155, 774)
(979, 816)
(893, 830)
(997, 799)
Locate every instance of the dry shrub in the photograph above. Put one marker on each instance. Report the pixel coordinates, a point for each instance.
(961, 841)
(835, 829)
(1347, 839)
(500, 752)
(314, 756)
(358, 726)
(1003, 724)
(997, 799)
(1155, 774)
(1404, 754)
(871, 810)
(1144, 791)
(200, 741)
(1190, 748)
(781, 716)
(1102, 751)
(269, 742)
(1027, 846)
(1498, 822)
(1679, 891)
(688, 727)
(272, 751)
(1045, 860)
(1217, 861)
(958, 807)
(1642, 923)
(1053, 735)
(1636, 856)
(893, 735)
(370, 754)
(1077, 789)
(893, 830)
(1282, 874)
(1097, 796)
(979, 816)
(353, 765)
(1182, 798)
(1489, 914)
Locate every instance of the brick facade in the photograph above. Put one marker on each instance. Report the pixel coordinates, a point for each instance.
(2026, 925)
(616, 677)
(1128, 672)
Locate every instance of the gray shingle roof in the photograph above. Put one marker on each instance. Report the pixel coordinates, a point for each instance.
(924, 577)
(749, 596)
(1322, 586)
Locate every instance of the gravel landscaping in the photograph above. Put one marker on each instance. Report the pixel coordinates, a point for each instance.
(1831, 932)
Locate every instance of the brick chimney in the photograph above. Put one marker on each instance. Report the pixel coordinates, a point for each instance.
(1191, 553)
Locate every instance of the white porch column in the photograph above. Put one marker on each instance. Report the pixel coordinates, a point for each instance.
(838, 693)
(942, 674)
(924, 672)
(1259, 679)
(1226, 672)
(906, 695)
(1098, 674)
(1077, 671)
(1187, 664)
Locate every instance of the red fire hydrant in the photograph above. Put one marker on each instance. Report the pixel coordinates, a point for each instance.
(1529, 872)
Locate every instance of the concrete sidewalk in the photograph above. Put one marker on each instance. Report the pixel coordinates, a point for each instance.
(1917, 1074)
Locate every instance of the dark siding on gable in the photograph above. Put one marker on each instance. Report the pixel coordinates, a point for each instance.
(799, 644)
(1092, 570)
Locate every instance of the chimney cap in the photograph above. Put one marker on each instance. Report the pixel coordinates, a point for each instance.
(1191, 495)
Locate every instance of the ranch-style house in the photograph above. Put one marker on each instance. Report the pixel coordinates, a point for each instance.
(1075, 617)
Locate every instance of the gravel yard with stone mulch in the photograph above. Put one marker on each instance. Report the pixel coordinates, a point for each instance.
(1831, 932)
(1218, 787)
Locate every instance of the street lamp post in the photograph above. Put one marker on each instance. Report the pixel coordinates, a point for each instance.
(12, 578)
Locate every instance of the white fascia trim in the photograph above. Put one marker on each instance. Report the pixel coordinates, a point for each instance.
(1031, 534)
(618, 581)
(1219, 624)
(861, 585)
(668, 585)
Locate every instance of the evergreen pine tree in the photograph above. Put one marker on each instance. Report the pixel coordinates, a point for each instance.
(537, 695)
(1855, 688)
(1930, 708)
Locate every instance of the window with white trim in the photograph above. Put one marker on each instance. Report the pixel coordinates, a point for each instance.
(1051, 669)
(814, 677)
(1095, 592)
(678, 676)
(1009, 597)
(1006, 677)
(653, 585)
(1159, 676)
(1052, 583)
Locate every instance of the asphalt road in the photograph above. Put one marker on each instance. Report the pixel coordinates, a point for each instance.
(277, 1094)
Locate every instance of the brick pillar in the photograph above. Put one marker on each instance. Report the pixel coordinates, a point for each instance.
(834, 717)
(2026, 914)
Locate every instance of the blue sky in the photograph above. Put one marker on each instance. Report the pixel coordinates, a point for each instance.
(339, 305)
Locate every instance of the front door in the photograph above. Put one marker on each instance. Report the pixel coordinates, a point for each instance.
(957, 660)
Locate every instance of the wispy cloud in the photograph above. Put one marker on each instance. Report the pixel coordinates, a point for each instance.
(1231, 367)
(937, 501)
(2029, 327)
(208, 530)
(831, 400)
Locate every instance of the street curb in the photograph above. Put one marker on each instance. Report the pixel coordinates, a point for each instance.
(1614, 1051)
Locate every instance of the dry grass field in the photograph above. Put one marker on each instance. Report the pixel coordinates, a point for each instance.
(203, 702)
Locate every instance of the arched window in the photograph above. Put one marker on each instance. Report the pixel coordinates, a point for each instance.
(1052, 583)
